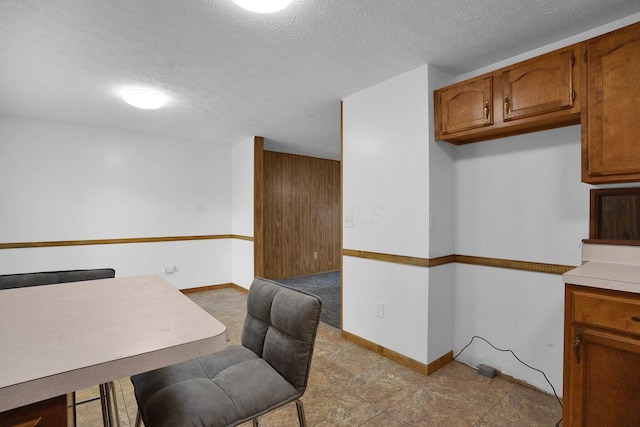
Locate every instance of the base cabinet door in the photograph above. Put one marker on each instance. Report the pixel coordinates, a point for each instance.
(605, 381)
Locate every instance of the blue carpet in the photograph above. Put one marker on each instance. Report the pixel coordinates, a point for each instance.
(327, 287)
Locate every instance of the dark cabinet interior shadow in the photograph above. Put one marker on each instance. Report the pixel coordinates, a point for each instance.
(615, 216)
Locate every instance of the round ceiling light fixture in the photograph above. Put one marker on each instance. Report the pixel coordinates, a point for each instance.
(144, 98)
(263, 6)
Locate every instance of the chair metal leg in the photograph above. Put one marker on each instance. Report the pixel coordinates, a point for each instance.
(74, 412)
(138, 418)
(108, 400)
(301, 419)
(111, 387)
(106, 407)
(255, 422)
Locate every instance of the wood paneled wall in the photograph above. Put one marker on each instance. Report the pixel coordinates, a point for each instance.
(301, 215)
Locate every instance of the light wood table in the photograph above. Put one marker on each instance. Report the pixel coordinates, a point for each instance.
(56, 339)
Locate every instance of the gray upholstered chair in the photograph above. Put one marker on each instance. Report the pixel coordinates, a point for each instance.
(10, 281)
(21, 280)
(243, 382)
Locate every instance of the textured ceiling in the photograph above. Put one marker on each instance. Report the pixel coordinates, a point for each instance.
(232, 74)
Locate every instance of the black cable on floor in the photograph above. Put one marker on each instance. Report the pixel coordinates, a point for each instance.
(518, 359)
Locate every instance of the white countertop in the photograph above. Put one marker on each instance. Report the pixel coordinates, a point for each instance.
(606, 275)
(59, 338)
(615, 267)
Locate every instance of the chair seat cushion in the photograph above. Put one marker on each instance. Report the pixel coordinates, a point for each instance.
(222, 389)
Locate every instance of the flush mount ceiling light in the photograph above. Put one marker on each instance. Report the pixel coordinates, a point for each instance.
(263, 6)
(144, 98)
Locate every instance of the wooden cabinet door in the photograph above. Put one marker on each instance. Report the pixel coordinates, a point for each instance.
(611, 117)
(604, 380)
(533, 95)
(538, 86)
(466, 105)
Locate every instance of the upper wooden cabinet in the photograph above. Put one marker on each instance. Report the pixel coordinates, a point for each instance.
(611, 107)
(594, 83)
(539, 86)
(467, 105)
(533, 95)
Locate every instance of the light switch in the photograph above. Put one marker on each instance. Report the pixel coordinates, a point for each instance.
(379, 309)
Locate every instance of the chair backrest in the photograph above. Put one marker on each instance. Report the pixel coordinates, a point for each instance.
(281, 326)
(9, 281)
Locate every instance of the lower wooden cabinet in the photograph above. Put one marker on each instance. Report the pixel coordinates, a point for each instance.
(601, 358)
(54, 412)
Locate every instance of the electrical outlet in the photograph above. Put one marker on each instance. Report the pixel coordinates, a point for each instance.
(315, 255)
(170, 269)
(349, 221)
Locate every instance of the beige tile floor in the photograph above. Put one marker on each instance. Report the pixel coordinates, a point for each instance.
(351, 386)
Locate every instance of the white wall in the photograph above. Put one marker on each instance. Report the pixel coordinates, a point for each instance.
(440, 311)
(441, 223)
(404, 291)
(441, 180)
(386, 189)
(518, 198)
(242, 200)
(67, 182)
(521, 198)
(199, 263)
(385, 166)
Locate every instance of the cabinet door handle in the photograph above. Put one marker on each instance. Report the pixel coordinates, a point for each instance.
(486, 111)
(635, 318)
(507, 105)
(576, 346)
